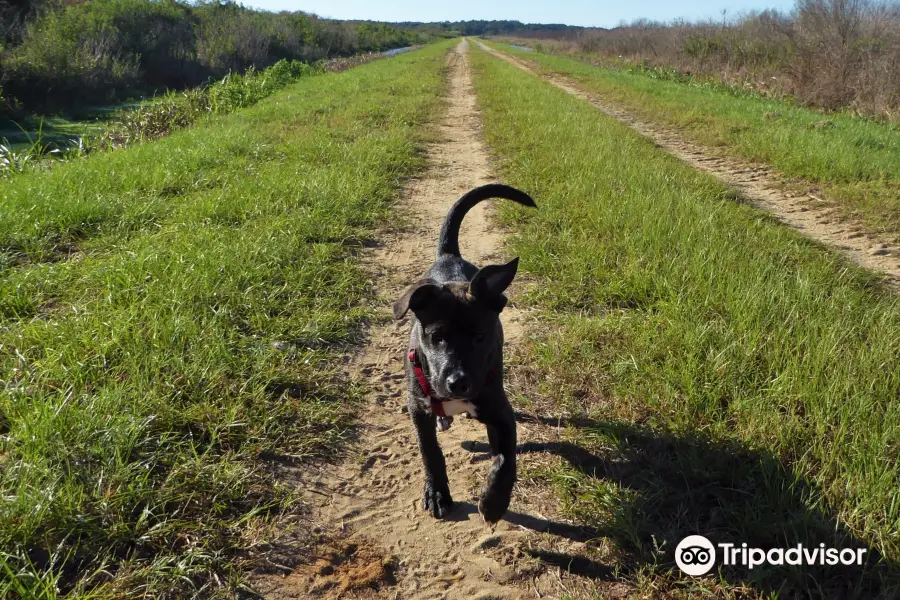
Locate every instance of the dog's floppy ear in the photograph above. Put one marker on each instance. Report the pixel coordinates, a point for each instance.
(490, 282)
(416, 297)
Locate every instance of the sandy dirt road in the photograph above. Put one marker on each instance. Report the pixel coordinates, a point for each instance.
(389, 547)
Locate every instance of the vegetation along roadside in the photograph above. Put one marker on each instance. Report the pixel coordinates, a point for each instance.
(851, 161)
(714, 371)
(153, 119)
(105, 51)
(142, 291)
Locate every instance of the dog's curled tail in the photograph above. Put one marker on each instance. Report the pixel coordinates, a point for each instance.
(448, 242)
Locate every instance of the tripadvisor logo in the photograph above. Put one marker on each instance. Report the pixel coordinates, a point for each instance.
(695, 555)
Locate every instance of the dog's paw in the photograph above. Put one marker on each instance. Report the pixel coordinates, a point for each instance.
(437, 502)
(493, 506)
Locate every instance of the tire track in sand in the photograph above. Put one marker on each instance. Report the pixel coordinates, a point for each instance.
(756, 182)
(374, 497)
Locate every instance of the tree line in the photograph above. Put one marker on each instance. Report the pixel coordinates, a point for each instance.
(457, 28)
(60, 54)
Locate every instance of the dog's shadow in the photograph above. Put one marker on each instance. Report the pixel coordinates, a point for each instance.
(644, 492)
(577, 565)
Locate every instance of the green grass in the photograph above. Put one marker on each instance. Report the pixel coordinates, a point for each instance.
(721, 374)
(147, 121)
(855, 161)
(140, 297)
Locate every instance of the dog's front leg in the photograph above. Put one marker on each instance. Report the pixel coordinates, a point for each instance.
(498, 488)
(436, 498)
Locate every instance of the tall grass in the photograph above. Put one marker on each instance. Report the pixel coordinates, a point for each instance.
(855, 161)
(157, 118)
(177, 110)
(141, 298)
(162, 115)
(720, 374)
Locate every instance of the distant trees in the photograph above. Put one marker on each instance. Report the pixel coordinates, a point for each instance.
(455, 28)
(56, 54)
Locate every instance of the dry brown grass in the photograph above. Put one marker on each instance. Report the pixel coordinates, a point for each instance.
(833, 54)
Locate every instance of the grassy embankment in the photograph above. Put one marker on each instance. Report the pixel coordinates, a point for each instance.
(855, 161)
(722, 375)
(141, 292)
(61, 139)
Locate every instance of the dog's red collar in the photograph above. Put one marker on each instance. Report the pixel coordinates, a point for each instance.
(437, 405)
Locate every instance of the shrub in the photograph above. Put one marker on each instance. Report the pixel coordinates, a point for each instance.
(101, 51)
(237, 91)
(94, 51)
(828, 53)
(178, 110)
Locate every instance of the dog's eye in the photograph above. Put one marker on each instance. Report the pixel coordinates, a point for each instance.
(437, 337)
(479, 339)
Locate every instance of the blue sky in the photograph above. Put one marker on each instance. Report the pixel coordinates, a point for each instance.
(571, 12)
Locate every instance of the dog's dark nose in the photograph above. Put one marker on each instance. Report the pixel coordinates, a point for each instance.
(459, 384)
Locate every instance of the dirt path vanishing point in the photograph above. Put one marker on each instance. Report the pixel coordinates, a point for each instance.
(391, 548)
(757, 183)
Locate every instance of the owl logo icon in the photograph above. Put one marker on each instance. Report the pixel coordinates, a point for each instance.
(695, 555)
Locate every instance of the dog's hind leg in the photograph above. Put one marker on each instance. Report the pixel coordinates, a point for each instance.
(436, 497)
(500, 480)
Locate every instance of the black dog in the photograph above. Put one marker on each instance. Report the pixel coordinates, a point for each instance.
(455, 361)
